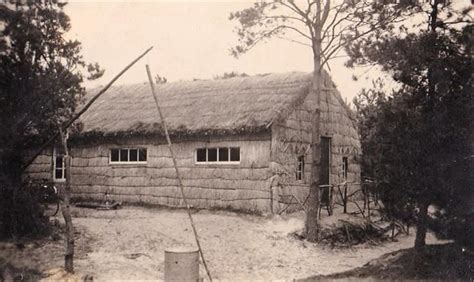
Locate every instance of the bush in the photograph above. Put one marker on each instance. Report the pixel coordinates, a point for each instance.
(21, 213)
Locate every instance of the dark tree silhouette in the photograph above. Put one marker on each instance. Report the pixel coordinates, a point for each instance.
(416, 139)
(41, 74)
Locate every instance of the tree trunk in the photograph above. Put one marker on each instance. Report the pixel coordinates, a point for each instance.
(421, 227)
(312, 212)
(65, 209)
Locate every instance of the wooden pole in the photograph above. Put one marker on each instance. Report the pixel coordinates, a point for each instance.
(83, 110)
(345, 197)
(65, 209)
(180, 183)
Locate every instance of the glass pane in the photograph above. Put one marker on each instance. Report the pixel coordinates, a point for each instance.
(345, 166)
(58, 174)
(114, 155)
(298, 175)
(59, 162)
(142, 155)
(124, 155)
(212, 155)
(235, 154)
(223, 154)
(133, 155)
(301, 163)
(201, 155)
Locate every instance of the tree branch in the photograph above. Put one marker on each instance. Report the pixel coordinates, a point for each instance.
(295, 41)
(332, 22)
(345, 42)
(326, 12)
(284, 17)
(296, 30)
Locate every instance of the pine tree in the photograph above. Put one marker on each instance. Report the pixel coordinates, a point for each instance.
(41, 74)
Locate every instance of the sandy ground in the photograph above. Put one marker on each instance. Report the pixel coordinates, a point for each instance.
(129, 244)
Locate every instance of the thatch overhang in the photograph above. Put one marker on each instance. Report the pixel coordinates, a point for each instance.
(235, 106)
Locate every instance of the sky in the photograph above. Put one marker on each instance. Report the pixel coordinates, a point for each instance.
(191, 41)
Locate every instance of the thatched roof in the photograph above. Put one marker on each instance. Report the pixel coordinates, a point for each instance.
(228, 106)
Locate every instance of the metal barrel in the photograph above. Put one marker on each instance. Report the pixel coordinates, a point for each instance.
(182, 264)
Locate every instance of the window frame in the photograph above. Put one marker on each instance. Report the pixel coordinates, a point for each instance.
(63, 167)
(217, 162)
(300, 160)
(345, 167)
(128, 162)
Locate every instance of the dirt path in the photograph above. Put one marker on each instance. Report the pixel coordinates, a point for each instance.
(129, 244)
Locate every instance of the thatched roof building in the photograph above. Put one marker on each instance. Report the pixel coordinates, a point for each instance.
(249, 146)
(203, 107)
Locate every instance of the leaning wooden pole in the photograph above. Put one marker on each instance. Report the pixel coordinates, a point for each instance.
(83, 110)
(66, 210)
(180, 183)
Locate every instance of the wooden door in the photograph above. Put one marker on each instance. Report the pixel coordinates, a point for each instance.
(325, 167)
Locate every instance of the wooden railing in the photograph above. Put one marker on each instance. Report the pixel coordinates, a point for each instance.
(329, 194)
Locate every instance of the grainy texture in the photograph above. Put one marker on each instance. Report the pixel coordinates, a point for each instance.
(240, 187)
(236, 105)
(291, 137)
(471, 176)
(42, 166)
(267, 116)
(129, 243)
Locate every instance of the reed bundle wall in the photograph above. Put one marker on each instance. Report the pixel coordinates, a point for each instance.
(241, 186)
(291, 137)
(42, 167)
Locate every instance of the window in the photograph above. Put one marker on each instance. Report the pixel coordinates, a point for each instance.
(218, 155)
(300, 168)
(235, 154)
(345, 166)
(59, 166)
(130, 155)
(201, 155)
(212, 155)
(224, 154)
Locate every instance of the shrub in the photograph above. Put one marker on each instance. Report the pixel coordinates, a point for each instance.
(21, 213)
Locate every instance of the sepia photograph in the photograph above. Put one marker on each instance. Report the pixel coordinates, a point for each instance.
(236, 140)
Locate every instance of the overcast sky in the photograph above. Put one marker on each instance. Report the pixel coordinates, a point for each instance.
(190, 39)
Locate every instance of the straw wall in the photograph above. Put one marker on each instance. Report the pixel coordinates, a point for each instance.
(241, 186)
(42, 167)
(292, 138)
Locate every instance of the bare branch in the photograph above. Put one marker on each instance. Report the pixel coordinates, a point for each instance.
(284, 18)
(457, 22)
(275, 30)
(345, 42)
(333, 25)
(292, 9)
(295, 41)
(305, 14)
(317, 17)
(326, 12)
(297, 30)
